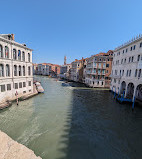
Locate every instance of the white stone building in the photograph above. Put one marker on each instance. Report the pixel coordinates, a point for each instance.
(43, 69)
(16, 73)
(127, 69)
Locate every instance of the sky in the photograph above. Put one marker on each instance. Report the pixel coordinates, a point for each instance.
(75, 28)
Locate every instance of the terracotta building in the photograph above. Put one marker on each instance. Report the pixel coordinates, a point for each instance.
(98, 70)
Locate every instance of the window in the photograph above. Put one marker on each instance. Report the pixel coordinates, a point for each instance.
(129, 73)
(125, 61)
(131, 48)
(2, 88)
(134, 47)
(19, 55)
(100, 65)
(6, 52)
(24, 84)
(29, 71)
(136, 72)
(103, 71)
(122, 72)
(20, 72)
(132, 58)
(20, 85)
(16, 85)
(1, 51)
(138, 58)
(29, 58)
(8, 87)
(7, 70)
(123, 51)
(141, 44)
(107, 65)
(129, 59)
(23, 56)
(14, 54)
(15, 70)
(126, 50)
(1, 70)
(121, 61)
(139, 75)
(23, 70)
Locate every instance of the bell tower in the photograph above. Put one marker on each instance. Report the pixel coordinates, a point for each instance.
(65, 60)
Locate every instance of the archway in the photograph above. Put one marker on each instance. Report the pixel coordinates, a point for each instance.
(130, 90)
(139, 92)
(123, 87)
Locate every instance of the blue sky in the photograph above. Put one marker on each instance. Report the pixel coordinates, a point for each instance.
(75, 28)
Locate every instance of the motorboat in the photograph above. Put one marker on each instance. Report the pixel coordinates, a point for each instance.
(39, 87)
(65, 84)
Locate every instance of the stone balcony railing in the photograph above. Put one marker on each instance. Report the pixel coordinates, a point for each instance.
(115, 76)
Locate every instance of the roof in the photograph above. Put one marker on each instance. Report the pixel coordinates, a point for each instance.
(13, 42)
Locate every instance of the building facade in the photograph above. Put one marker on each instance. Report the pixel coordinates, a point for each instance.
(126, 69)
(98, 70)
(35, 69)
(76, 71)
(16, 73)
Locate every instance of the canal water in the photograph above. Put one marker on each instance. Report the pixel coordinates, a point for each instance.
(75, 123)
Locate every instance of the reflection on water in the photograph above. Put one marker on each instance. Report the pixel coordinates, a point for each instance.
(75, 123)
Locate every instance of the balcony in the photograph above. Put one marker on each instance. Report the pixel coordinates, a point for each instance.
(115, 76)
(89, 66)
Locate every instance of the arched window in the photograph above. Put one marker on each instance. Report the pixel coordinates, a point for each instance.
(138, 59)
(23, 70)
(23, 56)
(1, 70)
(7, 70)
(29, 71)
(139, 75)
(1, 51)
(15, 70)
(29, 58)
(136, 73)
(6, 52)
(129, 73)
(14, 54)
(20, 72)
(19, 55)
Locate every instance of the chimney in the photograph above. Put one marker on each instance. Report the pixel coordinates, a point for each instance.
(12, 35)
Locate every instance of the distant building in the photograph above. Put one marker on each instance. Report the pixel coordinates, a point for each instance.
(127, 69)
(35, 69)
(64, 71)
(98, 70)
(47, 69)
(16, 73)
(76, 71)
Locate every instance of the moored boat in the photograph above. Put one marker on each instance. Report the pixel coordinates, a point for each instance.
(39, 87)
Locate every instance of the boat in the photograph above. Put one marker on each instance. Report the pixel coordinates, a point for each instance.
(65, 84)
(39, 87)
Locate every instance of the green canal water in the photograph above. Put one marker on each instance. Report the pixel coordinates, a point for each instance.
(75, 123)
